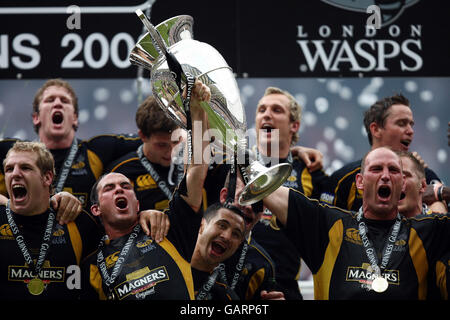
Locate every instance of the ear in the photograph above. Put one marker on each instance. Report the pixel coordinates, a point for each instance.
(423, 186)
(223, 195)
(47, 178)
(36, 119)
(75, 120)
(142, 136)
(295, 125)
(375, 130)
(95, 210)
(359, 181)
(202, 226)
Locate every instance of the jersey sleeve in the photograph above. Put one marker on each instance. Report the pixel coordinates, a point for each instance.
(89, 234)
(111, 147)
(184, 225)
(308, 225)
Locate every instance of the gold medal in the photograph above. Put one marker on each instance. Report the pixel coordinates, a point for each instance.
(379, 284)
(36, 286)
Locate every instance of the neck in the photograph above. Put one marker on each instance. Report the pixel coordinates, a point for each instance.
(200, 264)
(32, 211)
(373, 215)
(413, 212)
(115, 233)
(283, 150)
(57, 143)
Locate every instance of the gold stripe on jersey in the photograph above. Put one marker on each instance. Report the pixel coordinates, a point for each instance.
(182, 264)
(124, 162)
(95, 163)
(419, 259)
(322, 278)
(306, 182)
(441, 279)
(95, 280)
(341, 180)
(254, 283)
(351, 196)
(3, 185)
(75, 239)
(205, 199)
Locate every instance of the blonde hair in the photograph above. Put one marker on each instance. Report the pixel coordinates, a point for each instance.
(44, 160)
(295, 109)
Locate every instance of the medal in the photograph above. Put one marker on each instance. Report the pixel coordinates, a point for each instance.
(379, 284)
(36, 286)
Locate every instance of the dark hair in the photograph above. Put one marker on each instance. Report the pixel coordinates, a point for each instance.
(213, 209)
(54, 83)
(150, 118)
(94, 192)
(379, 111)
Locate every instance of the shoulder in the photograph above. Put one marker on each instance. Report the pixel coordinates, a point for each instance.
(107, 140)
(129, 159)
(349, 169)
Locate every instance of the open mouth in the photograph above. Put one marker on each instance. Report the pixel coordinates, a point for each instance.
(402, 196)
(57, 117)
(267, 128)
(405, 143)
(217, 248)
(121, 203)
(384, 192)
(19, 191)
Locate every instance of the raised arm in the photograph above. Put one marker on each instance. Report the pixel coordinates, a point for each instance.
(198, 168)
(277, 203)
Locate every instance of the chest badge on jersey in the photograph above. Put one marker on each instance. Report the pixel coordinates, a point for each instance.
(144, 182)
(48, 274)
(365, 276)
(145, 245)
(141, 283)
(78, 168)
(5, 232)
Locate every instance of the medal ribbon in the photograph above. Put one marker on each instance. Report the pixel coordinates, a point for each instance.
(66, 166)
(369, 248)
(45, 246)
(109, 279)
(207, 286)
(151, 170)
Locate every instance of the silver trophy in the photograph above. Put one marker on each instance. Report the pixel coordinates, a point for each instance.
(170, 52)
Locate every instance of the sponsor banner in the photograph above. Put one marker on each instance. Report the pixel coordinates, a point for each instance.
(264, 38)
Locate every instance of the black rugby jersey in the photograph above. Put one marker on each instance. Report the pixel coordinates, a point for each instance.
(329, 242)
(267, 233)
(258, 271)
(148, 193)
(441, 278)
(341, 190)
(157, 271)
(92, 157)
(220, 291)
(60, 272)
